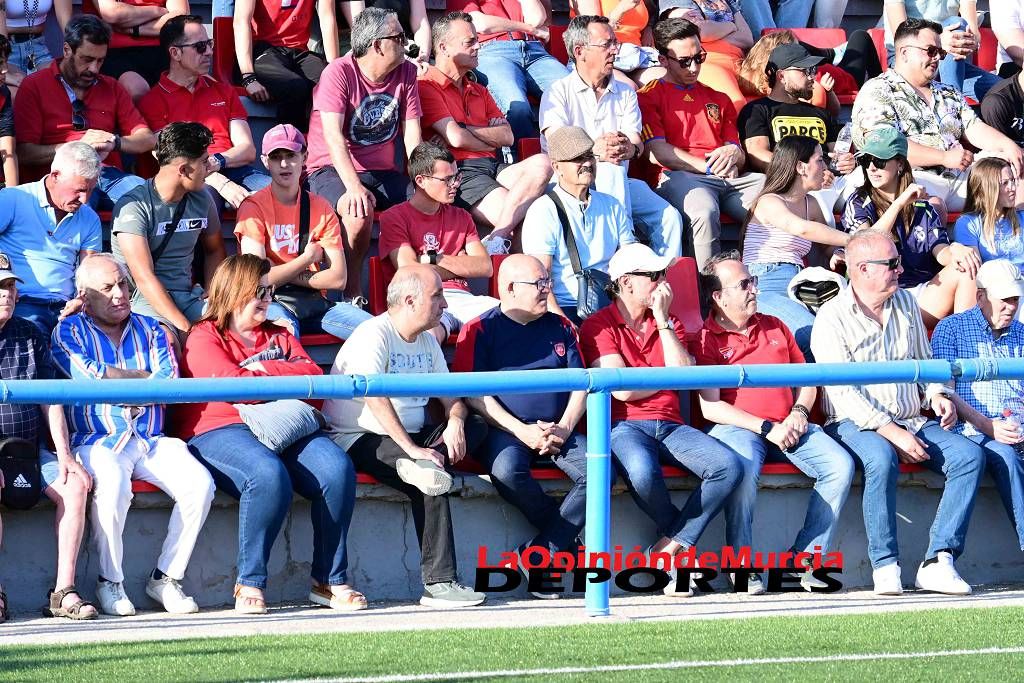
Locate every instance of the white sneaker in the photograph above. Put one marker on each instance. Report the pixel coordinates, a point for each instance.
(673, 575)
(168, 593)
(755, 586)
(424, 475)
(888, 579)
(941, 577)
(113, 600)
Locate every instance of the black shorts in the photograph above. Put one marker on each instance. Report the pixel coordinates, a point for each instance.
(388, 187)
(479, 179)
(148, 61)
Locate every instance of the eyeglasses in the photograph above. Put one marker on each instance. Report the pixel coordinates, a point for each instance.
(932, 51)
(686, 62)
(200, 46)
(655, 275)
(809, 71)
(450, 181)
(745, 284)
(610, 45)
(890, 263)
(543, 284)
(265, 291)
(583, 158)
(398, 38)
(868, 160)
(78, 120)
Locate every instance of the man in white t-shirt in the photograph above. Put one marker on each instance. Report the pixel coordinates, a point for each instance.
(389, 438)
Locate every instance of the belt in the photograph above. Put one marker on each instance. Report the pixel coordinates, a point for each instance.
(511, 35)
(24, 37)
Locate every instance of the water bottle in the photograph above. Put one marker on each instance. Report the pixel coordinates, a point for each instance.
(844, 141)
(1013, 409)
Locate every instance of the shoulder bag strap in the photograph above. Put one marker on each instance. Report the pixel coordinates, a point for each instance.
(570, 239)
(179, 211)
(303, 219)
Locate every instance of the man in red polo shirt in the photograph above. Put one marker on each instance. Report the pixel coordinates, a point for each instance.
(690, 130)
(513, 60)
(186, 92)
(463, 114)
(271, 38)
(70, 100)
(770, 422)
(636, 331)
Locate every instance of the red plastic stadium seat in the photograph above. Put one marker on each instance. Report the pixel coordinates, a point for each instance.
(682, 276)
(987, 52)
(378, 288)
(496, 260)
(556, 44)
(319, 339)
(527, 147)
(818, 37)
(878, 38)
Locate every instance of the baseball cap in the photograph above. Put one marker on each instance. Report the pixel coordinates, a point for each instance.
(6, 273)
(634, 258)
(793, 56)
(283, 136)
(1001, 279)
(884, 143)
(568, 142)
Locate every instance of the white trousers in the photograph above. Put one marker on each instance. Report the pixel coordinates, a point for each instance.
(169, 466)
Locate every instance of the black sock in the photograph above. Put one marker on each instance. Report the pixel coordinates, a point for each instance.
(936, 558)
(157, 575)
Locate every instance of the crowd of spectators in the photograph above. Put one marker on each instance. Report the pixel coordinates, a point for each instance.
(667, 116)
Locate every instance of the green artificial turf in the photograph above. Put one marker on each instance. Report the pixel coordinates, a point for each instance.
(454, 650)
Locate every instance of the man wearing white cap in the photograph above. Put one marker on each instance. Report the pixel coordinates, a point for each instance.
(648, 430)
(991, 412)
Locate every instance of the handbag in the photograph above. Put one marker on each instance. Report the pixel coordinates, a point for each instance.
(592, 283)
(23, 479)
(302, 302)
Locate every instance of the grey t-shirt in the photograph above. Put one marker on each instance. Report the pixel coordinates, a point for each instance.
(142, 212)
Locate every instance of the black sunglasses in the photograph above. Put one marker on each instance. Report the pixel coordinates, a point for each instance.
(685, 62)
(265, 291)
(745, 284)
(868, 160)
(890, 263)
(932, 51)
(398, 37)
(78, 120)
(200, 46)
(655, 275)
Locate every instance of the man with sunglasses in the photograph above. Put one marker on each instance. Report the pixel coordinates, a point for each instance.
(690, 131)
(364, 101)
(522, 334)
(935, 118)
(431, 230)
(186, 92)
(766, 424)
(881, 425)
(71, 100)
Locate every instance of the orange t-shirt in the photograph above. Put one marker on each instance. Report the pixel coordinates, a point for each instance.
(276, 226)
(632, 23)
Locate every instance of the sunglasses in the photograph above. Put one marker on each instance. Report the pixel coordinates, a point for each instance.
(543, 284)
(78, 120)
(265, 291)
(686, 62)
(200, 46)
(890, 263)
(398, 38)
(932, 51)
(868, 160)
(809, 71)
(654, 275)
(745, 284)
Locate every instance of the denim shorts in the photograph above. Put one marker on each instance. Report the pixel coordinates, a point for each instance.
(50, 468)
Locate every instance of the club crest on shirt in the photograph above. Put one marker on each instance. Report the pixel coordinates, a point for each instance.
(726, 352)
(560, 350)
(714, 112)
(431, 243)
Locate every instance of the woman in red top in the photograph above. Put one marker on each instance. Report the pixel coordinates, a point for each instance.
(233, 331)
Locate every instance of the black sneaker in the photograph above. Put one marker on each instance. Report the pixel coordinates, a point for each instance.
(450, 595)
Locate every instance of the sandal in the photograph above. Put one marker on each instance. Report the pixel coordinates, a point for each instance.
(249, 603)
(342, 598)
(4, 609)
(79, 611)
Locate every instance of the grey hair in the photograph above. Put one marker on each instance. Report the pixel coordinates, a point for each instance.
(85, 268)
(576, 33)
(368, 27)
(862, 238)
(76, 158)
(406, 282)
(439, 31)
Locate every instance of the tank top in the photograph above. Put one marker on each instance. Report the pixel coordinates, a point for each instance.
(768, 244)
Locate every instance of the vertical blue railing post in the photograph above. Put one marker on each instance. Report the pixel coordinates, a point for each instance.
(599, 492)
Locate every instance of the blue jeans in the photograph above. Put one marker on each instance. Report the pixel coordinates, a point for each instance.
(790, 14)
(223, 8)
(508, 461)
(514, 69)
(958, 458)
(250, 177)
(816, 455)
(113, 184)
(773, 299)
(639, 447)
(660, 220)
(971, 80)
(36, 48)
(43, 313)
(1007, 470)
(343, 318)
(262, 482)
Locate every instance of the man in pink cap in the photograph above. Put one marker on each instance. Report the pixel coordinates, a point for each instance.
(299, 233)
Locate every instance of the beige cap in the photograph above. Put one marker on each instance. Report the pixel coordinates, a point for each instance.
(568, 142)
(1001, 279)
(636, 258)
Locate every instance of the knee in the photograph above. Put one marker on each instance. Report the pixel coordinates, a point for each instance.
(73, 495)
(268, 479)
(135, 84)
(880, 462)
(539, 168)
(510, 465)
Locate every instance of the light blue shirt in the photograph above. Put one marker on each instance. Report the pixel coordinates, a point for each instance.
(44, 253)
(599, 230)
(967, 231)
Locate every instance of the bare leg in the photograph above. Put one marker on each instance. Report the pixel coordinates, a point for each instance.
(505, 207)
(644, 76)
(949, 291)
(70, 498)
(624, 79)
(356, 238)
(135, 84)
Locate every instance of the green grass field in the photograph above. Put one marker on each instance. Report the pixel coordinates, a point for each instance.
(429, 653)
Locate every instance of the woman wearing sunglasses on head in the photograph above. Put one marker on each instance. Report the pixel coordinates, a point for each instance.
(992, 218)
(939, 274)
(783, 224)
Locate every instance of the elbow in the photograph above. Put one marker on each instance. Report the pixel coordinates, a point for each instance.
(247, 153)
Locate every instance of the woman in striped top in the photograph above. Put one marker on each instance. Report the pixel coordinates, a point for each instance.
(782, 225)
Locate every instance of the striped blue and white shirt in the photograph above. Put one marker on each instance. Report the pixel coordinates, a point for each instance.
(84, 352)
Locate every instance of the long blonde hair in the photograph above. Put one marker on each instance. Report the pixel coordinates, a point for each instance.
(751, 76)
(983, 187)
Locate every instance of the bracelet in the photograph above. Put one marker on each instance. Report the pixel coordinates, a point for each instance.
(248, 79)
(798, 408)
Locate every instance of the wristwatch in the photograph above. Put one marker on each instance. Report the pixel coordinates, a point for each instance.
(221, 161)
(430, 256)
(766, 427)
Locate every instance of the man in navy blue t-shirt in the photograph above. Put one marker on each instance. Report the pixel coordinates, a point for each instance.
(521, 334)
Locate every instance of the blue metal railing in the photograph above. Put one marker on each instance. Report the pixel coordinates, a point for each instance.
(599, 383)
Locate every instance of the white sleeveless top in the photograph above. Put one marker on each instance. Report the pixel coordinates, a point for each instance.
(17, 9)
(768, 244)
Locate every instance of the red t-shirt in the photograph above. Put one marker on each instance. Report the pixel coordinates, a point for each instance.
(447, 232)
(371, 113)
(606, 333)
(506, 9)
(210, 103)
(696, 119)
(42, 111)
(208, 353)
(119, 40)
(283, 23)
(768, 341)
(442, 99)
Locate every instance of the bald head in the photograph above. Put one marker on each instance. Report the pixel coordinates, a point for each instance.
(873, 265)
(411, 281)
(519, 267)
(523, 287)
(96, 265)
(866, 245)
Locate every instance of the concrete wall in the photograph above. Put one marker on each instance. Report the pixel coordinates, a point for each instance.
(384, 556)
